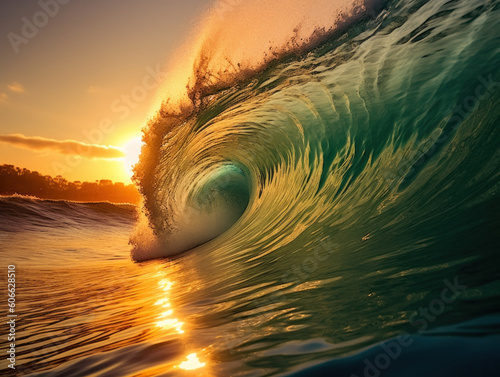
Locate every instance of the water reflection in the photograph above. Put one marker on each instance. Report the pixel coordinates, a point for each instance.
(192, 363)
(166, 319)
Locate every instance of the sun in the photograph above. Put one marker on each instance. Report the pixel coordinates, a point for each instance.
(132, 151)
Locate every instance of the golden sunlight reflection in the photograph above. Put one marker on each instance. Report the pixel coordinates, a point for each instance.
(191, 363)
(166, 321)
(132, 152)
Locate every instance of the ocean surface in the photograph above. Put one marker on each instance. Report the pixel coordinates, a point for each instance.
(335, 213)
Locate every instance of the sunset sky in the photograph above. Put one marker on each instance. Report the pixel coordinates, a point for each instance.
(85, 71)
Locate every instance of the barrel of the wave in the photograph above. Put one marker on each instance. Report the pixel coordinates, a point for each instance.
(216, 201)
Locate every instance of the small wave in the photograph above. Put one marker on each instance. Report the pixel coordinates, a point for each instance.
(20, 212)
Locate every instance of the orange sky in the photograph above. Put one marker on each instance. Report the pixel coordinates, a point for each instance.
(78, 79)
(85, 71)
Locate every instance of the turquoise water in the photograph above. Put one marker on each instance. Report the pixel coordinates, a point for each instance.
(333, 215)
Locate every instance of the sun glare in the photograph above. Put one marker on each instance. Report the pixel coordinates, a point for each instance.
(192, 363)
(132, 152)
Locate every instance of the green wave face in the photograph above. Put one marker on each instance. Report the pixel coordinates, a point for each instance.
(392, 119)
(340, 188)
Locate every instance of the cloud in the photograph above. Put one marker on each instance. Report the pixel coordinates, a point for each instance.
(16, 87)
(67, 147)
(3, 97)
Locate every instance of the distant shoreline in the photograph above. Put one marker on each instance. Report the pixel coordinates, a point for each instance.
(34, 197)
(23, 182)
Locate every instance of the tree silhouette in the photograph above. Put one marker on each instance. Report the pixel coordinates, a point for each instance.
(14, 180)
